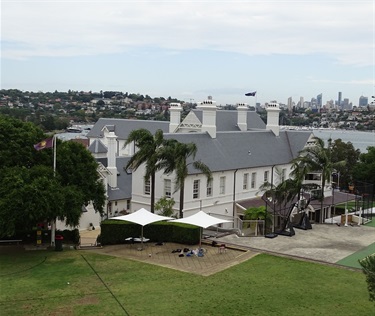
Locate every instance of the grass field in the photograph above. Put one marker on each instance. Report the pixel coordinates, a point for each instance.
(83, 283)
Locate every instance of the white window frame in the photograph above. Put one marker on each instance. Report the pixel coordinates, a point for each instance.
(196, 188)
(147, 187)
(253, 180)
(222, 185)
(209, 188)
(168, 188)
(245, 183)
(266, 176)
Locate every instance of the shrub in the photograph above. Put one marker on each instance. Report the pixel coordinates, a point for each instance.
(115, 232)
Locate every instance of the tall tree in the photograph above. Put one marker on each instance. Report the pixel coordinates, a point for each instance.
(317, 158)
(344, 151)
(31, 191)
(175, 158)
(148, 153)
(365, 169)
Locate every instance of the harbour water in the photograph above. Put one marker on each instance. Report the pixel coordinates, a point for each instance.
(360, 140)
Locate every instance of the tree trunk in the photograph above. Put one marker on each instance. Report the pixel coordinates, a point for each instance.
(153, 192)
(321, 219)
(181, 215)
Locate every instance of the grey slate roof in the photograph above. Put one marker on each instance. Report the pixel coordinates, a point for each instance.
(97, 147)
(226, 120)
(123, 127)
(248, 149)
(124, 180)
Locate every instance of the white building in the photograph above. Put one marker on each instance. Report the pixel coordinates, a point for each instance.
(241, 151)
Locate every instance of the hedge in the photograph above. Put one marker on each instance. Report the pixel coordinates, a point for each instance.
(115, 232)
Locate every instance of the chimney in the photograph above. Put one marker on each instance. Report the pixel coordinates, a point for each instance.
(242, 116)
(209, 116)
(111, 158)
(175, 110)
(273, 110)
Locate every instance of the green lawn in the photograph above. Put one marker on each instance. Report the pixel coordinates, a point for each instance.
(36, 283)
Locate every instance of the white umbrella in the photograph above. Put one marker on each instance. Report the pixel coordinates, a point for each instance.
(142, 217)
(202, 220)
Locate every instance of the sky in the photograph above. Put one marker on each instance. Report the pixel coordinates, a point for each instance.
(192, 49)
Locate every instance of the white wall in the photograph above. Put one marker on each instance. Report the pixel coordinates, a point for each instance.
(217, 203)
(116, 207)
(87, 217)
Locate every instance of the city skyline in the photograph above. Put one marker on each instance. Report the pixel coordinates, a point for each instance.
(191, 49)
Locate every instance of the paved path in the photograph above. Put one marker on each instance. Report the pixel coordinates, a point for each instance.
(327, 243)
(323, 243)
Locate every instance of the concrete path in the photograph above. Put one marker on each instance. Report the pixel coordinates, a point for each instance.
(327, 243)
(88, 237)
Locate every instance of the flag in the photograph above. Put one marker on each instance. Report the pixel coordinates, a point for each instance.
(251, 94)
(46, 143)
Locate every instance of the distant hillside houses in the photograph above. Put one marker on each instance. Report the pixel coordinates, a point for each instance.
(239, 148)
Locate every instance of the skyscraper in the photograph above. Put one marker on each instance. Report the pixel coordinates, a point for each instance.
(319, 101)
(290, 104)
(363, 101)
(339, 100)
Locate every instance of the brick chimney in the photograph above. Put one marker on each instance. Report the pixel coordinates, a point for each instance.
(242, 116)
(273, 110)
(111, 158)
(209, 116)
(175, 110)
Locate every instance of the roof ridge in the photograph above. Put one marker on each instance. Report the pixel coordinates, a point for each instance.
(290, 147)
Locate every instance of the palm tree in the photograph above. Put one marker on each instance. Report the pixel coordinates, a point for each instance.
(317, 158)
(258, 213)
(148, 153)
(175, 159)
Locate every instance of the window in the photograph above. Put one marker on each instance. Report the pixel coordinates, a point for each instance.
(313, 176)
(266, 174)
(253, 180)
(283, 175)
(167, 188)
(128, 204)
(222, 185)
(209, 188)
(196, 189)
(147, 187)
(245, 184)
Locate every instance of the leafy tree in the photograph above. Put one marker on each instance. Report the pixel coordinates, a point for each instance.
(148, 153)
(258, 213)
(368, 268)
(165, 206)
(317, 158)
(31, 191)
(77, 169)
(174, 158)
(345, 151)
(365, 169)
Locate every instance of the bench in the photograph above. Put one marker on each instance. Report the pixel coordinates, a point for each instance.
(11, 241)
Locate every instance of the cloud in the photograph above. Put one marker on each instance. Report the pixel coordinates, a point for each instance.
(340, 29)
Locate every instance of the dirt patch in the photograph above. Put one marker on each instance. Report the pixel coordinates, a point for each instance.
(213, 260)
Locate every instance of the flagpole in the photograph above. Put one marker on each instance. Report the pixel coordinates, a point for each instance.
(54, 154)
(53, 226)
